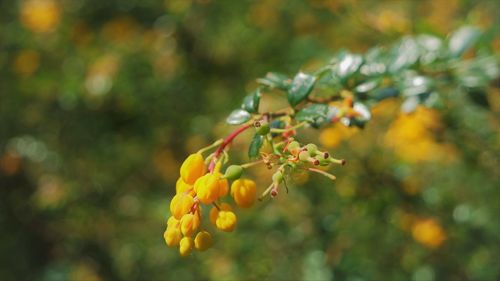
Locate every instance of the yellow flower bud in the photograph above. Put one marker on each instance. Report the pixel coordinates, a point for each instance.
(226, 221)
(172, 222)
(244, 192)
(214, 212)
(189, 224)
(207, 188)
(192, 168)
(180, 205)
(203, 241)
(172, 236)
(185, 246)
(223, 186)
(181, 186)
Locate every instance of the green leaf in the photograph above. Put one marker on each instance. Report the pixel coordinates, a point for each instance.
(275, 80)
(431, 48)
(417, 85)
(238, 116)
(348, 64)
(375, 62)
(277, 124)
(384, 93)
(478, 97)
(301, 87)
(405, 54)
(251, 102)
(367, 86)
(315, 114)
(255, 145)
(462, 39)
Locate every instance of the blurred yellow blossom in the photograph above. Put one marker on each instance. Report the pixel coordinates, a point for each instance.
(441, 13)
(265, 14)
(428, 232)
(332, 136)
(26, 62)
(40, 16)
(390, 20)
(120, 29)
(411, 137)
(84, 271)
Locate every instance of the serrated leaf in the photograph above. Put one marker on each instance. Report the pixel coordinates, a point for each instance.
(462, 39)
(238, 116)
(300, 88)
(251, 102)
(255, 145)
(316, 114)
(275, 80)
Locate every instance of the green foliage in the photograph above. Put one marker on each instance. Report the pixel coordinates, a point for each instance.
(255, 145)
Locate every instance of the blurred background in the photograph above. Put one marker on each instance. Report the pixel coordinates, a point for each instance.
(102, 100)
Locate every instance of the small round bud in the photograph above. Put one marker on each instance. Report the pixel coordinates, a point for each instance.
(172, 236)
(324, 162)
(233, 172)
(312, 148)
(293, 145)
(304, 155)
(326, 155)
(278, 177)
(203, 241)
(186, 246)
(244, 192)
(274, 191)
(192, 168)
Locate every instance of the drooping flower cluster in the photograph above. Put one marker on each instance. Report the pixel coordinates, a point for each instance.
(198, 186)
(202, 184)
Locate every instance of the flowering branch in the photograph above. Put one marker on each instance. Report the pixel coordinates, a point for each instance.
(225, 143)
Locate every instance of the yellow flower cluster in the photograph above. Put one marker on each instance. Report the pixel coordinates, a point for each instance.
(411, 137)
(428, 232)
(197, 186)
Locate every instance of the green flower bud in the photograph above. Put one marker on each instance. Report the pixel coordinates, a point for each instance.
(312, 149)
(304, 155)
(278, 177)
(233, 172)
(293, 145)
(322, 160)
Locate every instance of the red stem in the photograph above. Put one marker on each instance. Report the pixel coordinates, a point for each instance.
(225, 143)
